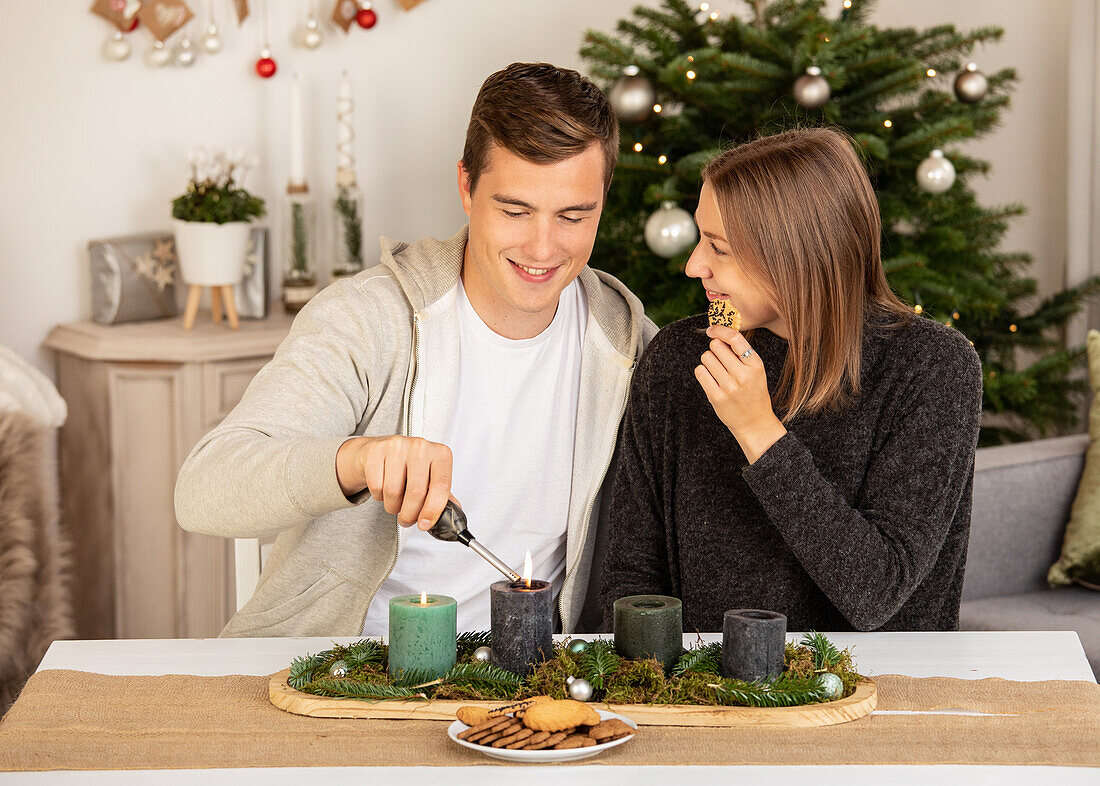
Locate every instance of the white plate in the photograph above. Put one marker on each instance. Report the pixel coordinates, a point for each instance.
(544, 756)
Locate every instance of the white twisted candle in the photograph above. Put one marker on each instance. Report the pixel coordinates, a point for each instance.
(345, 135)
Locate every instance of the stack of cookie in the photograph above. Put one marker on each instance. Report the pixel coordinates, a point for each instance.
(540, 723)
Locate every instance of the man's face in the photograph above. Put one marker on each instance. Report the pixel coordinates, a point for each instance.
(532, 227)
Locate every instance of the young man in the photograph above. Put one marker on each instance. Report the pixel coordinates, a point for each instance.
(492, 367)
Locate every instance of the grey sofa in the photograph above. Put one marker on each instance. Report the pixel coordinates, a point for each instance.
(1022, 498)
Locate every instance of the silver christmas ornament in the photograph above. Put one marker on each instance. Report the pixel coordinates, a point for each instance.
(971, 84)
(157, 56)
(670, 231)
(811, 90)
(832, 684)
(579, 689)
(935, 174)
(185, 55)
(577, 646)
(311, 36)
(212, 42)
(483, 654)
(339, 669)
(632, 97)
(116, 47)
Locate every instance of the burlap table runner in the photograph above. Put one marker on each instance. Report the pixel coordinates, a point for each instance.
(77, 720)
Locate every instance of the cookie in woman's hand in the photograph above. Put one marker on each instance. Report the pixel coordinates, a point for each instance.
(722, 313)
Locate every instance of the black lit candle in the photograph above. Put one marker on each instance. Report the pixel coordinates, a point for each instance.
(523, 622)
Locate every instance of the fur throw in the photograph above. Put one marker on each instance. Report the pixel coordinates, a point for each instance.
(35, 605)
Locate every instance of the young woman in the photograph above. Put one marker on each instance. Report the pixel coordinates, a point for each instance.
(819, 462)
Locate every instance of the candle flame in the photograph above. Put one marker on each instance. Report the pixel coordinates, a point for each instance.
(424, 598)
(528, 568)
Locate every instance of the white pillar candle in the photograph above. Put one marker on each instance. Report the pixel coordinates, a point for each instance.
(297, 175)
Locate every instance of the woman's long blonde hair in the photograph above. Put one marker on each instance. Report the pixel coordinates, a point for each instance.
(801, 217)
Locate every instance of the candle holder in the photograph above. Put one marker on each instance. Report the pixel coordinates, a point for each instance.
(650, 626)
(348, 247)
(523, 624)
(753, 644)
(423, 634)
(299, 220)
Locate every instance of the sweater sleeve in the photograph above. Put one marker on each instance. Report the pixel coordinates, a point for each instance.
(868, 558)
(637, 560)
(271, 464)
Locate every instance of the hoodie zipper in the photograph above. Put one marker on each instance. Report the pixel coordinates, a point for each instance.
(591, 504)
(408, 420)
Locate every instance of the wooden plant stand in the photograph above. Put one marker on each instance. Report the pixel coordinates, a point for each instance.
(219, 296)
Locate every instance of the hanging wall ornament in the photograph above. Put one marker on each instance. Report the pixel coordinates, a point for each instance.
(265, 66)
(185, 52)
(971, 84)
(164, 17)
(935, 174)
(344, 13)
(365, 16)
(116, 47)
(242, 10)
(670, 231)
(121, 13)
(212, 40)
(310, 35)
(811, 90)
(157, 55)
(632, 97)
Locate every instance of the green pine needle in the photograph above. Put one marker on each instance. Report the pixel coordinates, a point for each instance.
(704, 659)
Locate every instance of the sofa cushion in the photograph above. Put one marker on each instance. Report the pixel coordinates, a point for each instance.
(1063, 609)
(1080, 560)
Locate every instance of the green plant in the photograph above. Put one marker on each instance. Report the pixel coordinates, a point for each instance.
(214, 192)
(348, 208)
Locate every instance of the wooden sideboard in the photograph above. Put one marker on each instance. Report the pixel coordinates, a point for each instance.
(140, 396)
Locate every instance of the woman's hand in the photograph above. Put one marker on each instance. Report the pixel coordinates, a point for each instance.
(737, 388)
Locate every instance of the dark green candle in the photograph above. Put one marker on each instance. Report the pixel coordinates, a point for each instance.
(423, 634)
(650, 626)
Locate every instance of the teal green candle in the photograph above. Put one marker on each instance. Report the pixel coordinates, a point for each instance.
(423, 635)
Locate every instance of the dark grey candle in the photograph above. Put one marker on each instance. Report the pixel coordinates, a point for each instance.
(650, 626)
(523, 624)
(752, 644)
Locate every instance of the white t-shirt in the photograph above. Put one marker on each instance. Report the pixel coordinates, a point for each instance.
(511, 434)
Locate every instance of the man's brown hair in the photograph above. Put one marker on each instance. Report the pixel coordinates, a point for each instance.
(543, 114)
(802, 219)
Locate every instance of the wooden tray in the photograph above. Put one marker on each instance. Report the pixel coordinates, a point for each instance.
(861, 702)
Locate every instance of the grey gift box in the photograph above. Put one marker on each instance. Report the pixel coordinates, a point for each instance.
(134, 278)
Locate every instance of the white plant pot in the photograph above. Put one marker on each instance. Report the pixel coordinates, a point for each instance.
(211, 255)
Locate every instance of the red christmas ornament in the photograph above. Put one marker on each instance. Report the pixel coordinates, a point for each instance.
(366, 18)
(265, 66)
(133, 25)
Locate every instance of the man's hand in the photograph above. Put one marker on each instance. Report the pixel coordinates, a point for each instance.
(411, 476)
(737, 388)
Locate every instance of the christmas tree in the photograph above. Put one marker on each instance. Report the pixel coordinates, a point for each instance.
(687, 82)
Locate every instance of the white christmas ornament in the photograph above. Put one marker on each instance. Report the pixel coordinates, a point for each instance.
(310, 36)
(632, 97)
(811, 90)
(116, 47)
(971, 84)
(158, 55)
(935, 174)
(212, 42)
(670, 231)
(185, 55)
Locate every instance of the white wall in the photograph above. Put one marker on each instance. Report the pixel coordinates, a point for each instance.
(92, 149)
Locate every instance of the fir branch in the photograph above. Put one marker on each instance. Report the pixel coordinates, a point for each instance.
(826, 655)
(599, 661)
(706, 658)
(482, 675)
(303, 670)
(471, 640)
(355, 689)
(299, 238)
(782, 692)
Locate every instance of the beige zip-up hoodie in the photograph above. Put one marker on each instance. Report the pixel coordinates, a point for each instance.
(349, 367)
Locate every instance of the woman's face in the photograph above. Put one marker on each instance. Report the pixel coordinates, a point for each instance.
(723, 277)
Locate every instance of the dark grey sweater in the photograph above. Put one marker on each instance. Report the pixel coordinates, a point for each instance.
(856, 519)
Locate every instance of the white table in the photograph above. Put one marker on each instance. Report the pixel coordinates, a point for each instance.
(967, 655)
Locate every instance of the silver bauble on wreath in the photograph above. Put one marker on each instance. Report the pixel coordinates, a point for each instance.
(577, 646)
(212, 42)
(971, 84)
(116, 47)
(935, 174)
(158, 55)
(670, 231)
(811, 90)
(311, 34)
(483, 654)
(632, 97)
(579, 689)
(339, 669)
(185, 55)
(832, 684)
